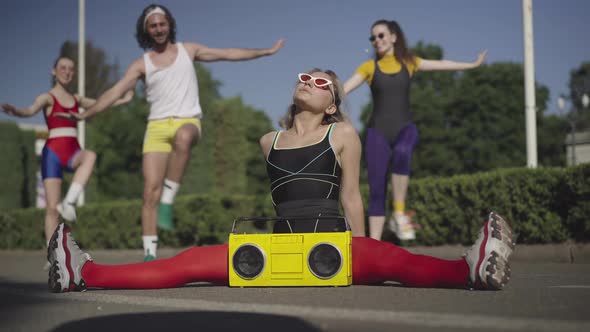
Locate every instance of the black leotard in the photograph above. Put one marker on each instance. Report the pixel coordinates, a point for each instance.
(304, 181)
(391, 102)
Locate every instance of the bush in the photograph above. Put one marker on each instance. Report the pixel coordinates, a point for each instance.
(199, 219)
(545, 205)
(17, 166)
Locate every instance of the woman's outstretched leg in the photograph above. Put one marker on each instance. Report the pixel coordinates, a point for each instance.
(375, 262)
(204, 264)
(73, 269)
(485, 265)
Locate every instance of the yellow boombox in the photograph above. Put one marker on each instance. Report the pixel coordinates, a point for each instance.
(290, 259)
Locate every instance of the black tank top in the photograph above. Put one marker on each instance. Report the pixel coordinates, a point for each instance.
(391, 102)
(305, 182)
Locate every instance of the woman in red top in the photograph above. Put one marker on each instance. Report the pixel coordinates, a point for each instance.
(61, 150)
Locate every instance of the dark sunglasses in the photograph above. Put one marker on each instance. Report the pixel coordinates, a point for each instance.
(380, 36)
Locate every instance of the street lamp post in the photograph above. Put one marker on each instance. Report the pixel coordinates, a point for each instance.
(572, 117)
(82, 77)
(529, 84)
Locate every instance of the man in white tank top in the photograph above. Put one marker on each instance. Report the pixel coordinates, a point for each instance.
(174, 119)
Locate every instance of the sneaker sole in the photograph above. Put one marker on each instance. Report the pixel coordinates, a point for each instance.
(501, 231)
(497, 272)
(496, 268)
(58, 256)
(55, 276)
(51, 247)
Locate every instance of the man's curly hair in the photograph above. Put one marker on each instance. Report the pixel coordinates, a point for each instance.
(142, 36)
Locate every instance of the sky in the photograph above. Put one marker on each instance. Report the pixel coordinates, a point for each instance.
(331, 34)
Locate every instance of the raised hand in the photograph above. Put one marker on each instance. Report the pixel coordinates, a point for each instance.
(9, 109)
(480, 58)
(277, 46)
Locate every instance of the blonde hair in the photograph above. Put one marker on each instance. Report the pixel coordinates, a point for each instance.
(286, 121)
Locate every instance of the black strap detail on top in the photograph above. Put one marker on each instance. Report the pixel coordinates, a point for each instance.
(391, 102)
(309, 172)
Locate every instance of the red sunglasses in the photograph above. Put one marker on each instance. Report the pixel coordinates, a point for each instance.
(318, 82)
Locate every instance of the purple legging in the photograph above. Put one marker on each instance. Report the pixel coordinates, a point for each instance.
(378, 153)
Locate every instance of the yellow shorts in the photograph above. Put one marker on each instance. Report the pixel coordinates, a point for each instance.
(159, 135)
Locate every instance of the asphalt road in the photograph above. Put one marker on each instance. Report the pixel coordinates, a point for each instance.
(542, 296)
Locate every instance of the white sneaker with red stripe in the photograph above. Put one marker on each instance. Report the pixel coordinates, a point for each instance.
(66, 260)
(488, 256)
(67, 211)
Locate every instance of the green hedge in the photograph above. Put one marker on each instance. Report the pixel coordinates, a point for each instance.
(545, 205)
(18, 164)
(199, 220)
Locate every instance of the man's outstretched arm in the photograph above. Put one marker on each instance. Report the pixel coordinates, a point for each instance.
(203, 53)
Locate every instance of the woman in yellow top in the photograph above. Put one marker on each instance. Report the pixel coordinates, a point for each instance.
(391, 134)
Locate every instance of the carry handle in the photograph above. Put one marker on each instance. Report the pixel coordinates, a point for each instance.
(287, 219)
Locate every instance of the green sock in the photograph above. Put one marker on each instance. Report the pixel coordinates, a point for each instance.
(165, 221)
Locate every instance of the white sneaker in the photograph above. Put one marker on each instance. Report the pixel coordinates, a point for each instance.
(401, 225)
(67, 211)
(488, 256)
(66, 260)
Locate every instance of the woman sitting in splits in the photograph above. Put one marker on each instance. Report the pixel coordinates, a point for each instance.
(313, 166)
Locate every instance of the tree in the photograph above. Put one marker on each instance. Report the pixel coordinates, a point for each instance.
(199, 176)
(117, 138)
(551, 132)
(227, 160)
(484, 125)
(431, 93)
(579, 85)
(100, 75)
(257, 124)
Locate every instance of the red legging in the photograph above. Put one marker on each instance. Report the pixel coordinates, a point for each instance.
(372, 262)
